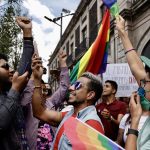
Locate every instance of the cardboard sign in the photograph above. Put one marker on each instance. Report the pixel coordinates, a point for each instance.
(122, 75)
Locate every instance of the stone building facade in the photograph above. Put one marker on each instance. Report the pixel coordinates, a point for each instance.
(83, 28)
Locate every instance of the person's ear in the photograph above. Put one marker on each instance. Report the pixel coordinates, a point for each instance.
(114, 91)
(90, 95)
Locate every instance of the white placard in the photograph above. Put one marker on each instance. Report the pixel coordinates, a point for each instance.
(122, 75)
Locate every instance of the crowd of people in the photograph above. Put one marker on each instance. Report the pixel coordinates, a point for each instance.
(29, 116)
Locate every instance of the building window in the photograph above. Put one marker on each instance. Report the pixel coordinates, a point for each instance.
(71, 48)
(93, 29)
(84, 19)
(77, 37)
(67, 48)
(56, 63)
(84, 33)
(111, 47)
(71, 37)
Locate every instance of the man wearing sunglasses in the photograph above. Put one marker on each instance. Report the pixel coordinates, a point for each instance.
(9, 104)
(83, 95)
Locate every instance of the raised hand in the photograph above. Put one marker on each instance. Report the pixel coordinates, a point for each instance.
(37, 68)
(19, 82)
(120, 24)
(135, 107)
(26, 25)
(62, 58)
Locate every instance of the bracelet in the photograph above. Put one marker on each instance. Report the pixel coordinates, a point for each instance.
(134, 132)
(37, 86)
(28, 38)
(129, 50)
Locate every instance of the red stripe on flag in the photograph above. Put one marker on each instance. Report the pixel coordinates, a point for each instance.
(71, 133)
(99, 45)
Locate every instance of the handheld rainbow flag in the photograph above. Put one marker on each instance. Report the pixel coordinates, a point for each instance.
(96, 56)
(113, 6)
(84, 137)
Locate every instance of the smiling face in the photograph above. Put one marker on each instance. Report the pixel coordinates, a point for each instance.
(79, 92)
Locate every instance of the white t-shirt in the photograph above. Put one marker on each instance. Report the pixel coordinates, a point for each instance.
(126, 126)
(67, 108)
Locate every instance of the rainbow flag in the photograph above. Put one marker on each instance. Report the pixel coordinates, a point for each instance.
(84, 137)
(113, 6)
(96, 56)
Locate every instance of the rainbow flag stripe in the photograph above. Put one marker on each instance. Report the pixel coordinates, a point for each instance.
(84, 137)
(96, 55)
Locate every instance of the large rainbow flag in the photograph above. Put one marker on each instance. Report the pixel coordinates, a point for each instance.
(95, 59)
(84, 137)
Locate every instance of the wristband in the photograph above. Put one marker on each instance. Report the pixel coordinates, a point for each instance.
(37, 86)
(129, 50)
(28, 38)
(134, 132)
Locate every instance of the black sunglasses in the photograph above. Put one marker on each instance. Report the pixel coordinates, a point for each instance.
(77, 85)
(5, 66)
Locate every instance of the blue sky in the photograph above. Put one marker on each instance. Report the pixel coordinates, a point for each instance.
(47, 34)
(57, 5)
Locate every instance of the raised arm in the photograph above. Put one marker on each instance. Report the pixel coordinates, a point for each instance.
(10, 103)
(59, 96)
(25, 63)
(133, 59)
(40, 111)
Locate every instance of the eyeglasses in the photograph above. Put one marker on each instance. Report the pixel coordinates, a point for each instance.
(141, 90)
(77, 85)
(143, 82)
(5, 66)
